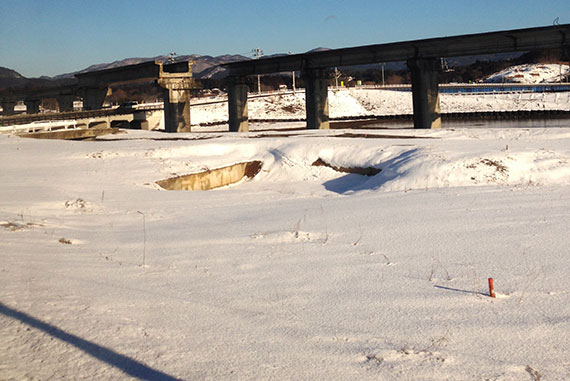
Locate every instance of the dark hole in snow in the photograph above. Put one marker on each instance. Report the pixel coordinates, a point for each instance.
(367, 171)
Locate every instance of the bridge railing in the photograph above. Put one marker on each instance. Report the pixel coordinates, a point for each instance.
(39, 126)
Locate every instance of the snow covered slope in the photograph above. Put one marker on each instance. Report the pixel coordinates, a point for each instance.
(531, 73)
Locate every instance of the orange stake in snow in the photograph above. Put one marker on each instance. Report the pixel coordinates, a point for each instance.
(491, 288)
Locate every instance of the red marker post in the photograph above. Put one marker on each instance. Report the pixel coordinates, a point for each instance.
(491, 288)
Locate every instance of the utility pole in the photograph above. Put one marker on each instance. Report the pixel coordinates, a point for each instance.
(337, 75)
(257, 53)
(293, 77)
(293, 74)
(382, 74)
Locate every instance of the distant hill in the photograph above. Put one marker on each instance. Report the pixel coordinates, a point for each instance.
(11, 78)
(9, 73)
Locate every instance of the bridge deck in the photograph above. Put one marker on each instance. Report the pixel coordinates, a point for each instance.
(550, 37)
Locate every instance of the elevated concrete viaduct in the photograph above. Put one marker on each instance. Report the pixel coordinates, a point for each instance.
(422, 57)
(175, 80)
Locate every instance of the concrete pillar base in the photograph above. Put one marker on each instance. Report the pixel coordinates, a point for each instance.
(565, 56)
(425, 92)
(33, 106)
(176, 103)
(316, 98)
(237, 104)
(139, 125)
(8, 108)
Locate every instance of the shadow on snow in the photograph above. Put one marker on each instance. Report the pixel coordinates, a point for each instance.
(391, 169)
(126, 364)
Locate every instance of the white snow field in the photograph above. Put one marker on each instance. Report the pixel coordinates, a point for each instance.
(300, 273)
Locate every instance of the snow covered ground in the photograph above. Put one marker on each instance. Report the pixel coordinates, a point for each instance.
(299, 273)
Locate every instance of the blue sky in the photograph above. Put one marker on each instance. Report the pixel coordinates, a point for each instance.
(50, 37)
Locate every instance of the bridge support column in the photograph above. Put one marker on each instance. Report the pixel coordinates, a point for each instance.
(425, 92)
(316, 98)
(65, 102)
(565, 56)
(32, 106)
(176, 103)
(8, 108)
(237, 105)
(93, 97)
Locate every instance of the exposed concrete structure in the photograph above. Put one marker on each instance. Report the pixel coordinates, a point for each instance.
(237, 105)
(176, 97)
(176, 80)
(421, 55)
(74, 134)
(316, 98)
(213, 178)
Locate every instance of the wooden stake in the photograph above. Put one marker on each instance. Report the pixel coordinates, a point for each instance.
(491, 288)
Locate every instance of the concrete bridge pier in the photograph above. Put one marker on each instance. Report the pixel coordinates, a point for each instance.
(8, 108)
(237, 105)
(176, 103)
(32, 106)
(65, 102)
(565, 56)
(93, 97)
(316, 98)
(425, 91)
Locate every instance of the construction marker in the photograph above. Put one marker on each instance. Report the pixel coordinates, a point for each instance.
(491, 288)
